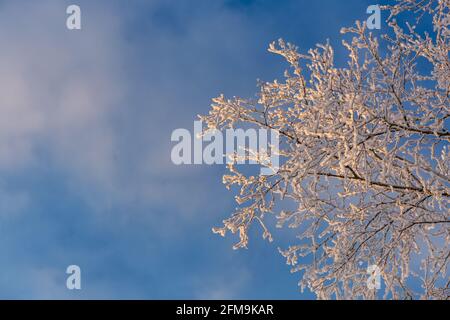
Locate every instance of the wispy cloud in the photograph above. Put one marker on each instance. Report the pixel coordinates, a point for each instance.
(85, 125)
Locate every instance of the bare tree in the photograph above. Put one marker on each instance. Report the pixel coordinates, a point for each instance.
(365, 159)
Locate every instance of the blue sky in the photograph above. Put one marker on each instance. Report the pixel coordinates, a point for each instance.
(86, 118)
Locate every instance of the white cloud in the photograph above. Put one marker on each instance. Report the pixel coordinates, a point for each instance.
(58, 89)
(223, 287)
(12, 203)
(67, 104)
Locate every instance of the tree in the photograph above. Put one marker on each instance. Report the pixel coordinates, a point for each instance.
(365, 159)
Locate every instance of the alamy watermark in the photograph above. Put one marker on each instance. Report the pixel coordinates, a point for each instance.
(73, 21)
(237, 146)
(374, 20)
(74, 279)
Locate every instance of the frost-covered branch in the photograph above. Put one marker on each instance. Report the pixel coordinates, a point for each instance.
(365, 158)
